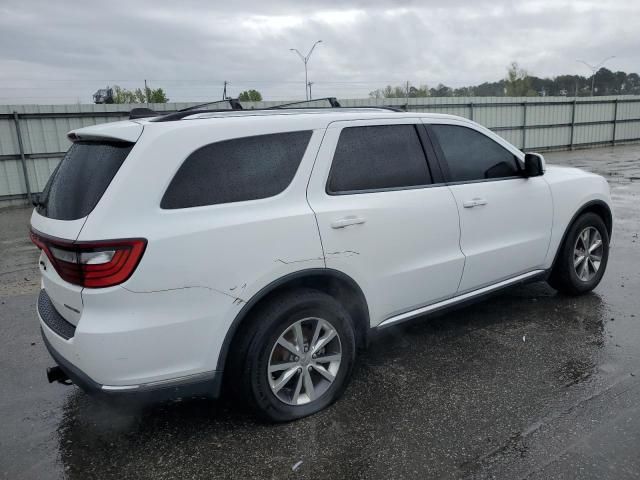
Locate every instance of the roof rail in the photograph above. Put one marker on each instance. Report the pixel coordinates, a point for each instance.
(391, 108)
(333, 103)
(235, 105)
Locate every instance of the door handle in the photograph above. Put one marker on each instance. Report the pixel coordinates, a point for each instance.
(476, 202)
(347, 221)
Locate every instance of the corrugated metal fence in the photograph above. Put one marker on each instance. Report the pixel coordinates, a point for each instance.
(33, 137)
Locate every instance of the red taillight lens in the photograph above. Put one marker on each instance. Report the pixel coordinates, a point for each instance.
(92, 264)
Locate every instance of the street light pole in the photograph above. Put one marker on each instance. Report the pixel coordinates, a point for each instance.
(305, 60)
(594, 70)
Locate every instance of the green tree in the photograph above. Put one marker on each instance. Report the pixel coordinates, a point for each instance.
(400, 92)
(518, 82)
(418, 92)
(123, 95)
(157, 96)
(250, 96)
(632, 84)
(441, 91)
(464, 92)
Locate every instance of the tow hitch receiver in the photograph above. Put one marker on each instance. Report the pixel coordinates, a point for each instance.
(55, 374)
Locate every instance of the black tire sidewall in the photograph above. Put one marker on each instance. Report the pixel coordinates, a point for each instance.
(274, 320)
(586, 220)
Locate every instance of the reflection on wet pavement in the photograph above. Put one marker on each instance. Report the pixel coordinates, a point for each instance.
(528, 384)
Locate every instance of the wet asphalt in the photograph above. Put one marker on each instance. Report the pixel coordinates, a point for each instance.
(528, 384)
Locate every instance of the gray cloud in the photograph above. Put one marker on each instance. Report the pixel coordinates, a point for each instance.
(54, 52)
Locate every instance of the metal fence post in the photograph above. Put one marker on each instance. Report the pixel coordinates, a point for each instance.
(524, 125)
(16, 121)
(471, 111)
(573, 124)
(615, 121)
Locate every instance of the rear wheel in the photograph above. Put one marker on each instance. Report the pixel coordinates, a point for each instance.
(298, 355)
(583, 257)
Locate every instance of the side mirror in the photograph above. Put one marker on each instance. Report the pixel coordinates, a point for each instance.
(533, 165)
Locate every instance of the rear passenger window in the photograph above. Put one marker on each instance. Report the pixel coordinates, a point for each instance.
(378, 157)
(246, 168)
(471, 155)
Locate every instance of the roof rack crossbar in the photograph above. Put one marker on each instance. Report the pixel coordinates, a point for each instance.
(233, 102)
(333, 102)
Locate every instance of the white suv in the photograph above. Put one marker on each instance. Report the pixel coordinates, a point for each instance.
(268, 244)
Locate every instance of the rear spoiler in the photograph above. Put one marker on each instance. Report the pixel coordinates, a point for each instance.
(123, 131)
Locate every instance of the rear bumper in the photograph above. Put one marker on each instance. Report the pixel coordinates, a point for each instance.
(158, 343)
(201, 385)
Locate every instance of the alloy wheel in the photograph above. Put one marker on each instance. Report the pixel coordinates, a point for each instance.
(587, 253)
(304, 361)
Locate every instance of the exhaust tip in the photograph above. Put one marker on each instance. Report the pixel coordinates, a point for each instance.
(55, 374)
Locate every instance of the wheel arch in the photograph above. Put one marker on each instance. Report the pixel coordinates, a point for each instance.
(600, 208)
(333, 282)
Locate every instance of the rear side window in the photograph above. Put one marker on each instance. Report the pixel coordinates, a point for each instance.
(246, 168)
(79, 181)
(471, 155)
(378, 158)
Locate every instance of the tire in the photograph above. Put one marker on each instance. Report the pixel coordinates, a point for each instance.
(259, 351)
(570, 279)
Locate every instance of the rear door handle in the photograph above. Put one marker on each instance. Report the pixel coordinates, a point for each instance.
(347, 221)
(476, 202)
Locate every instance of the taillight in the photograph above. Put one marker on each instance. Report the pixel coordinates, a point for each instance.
(92, 264)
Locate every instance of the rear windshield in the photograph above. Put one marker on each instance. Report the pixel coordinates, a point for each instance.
(82, 176)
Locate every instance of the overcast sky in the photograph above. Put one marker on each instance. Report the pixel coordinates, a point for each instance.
(61, 52)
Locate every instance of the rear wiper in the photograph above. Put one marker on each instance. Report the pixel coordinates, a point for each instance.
(37, 201)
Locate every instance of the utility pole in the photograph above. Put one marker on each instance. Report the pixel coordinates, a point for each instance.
(224, 91)
(594, 69)
(305, 60)
(309, 84)
(146, 91)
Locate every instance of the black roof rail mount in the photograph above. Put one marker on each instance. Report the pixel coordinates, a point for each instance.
(333, 103)
(142, 112)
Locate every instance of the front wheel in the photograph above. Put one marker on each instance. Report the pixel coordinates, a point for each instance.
(299, 356)
(583, 257)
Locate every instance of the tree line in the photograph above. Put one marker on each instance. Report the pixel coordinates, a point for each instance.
(157, 95)
(518, 83)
